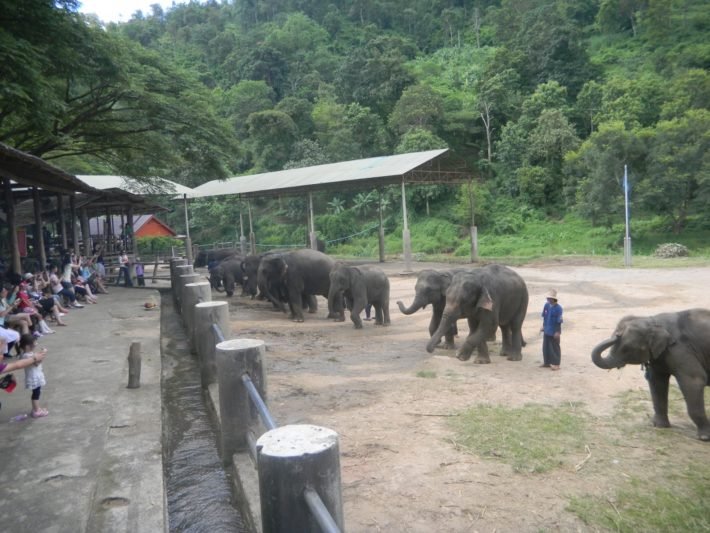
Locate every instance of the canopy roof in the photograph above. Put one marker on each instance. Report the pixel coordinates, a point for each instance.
(31, 171)
(417, 167)
(153, 186)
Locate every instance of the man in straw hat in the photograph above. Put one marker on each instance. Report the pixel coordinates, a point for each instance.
(551, 329)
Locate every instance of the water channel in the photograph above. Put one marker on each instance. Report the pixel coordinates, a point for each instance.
(198, 488)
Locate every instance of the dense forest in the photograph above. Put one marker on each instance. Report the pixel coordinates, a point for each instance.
(544, 100)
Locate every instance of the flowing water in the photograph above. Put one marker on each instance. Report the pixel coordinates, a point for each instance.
(198, 487)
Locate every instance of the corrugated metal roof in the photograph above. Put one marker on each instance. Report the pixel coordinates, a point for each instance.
(156, 186)
(381, 170)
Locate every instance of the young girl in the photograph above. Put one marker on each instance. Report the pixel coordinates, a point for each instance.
(34, 377)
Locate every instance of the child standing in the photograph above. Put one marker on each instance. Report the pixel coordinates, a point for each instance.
(140, 272)
(34, 376)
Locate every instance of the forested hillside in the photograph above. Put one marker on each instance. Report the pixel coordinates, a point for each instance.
(545, 100)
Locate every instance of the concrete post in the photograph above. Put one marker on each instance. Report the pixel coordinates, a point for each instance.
(62, 221)
(290, 460)
(194, 293)
(234, 358)
(134, 366)
(381, 232)
(179, 271)
(185, 279)
(206, 314)
(406, 237)
(73, 219)
(16, 261)
(174, 263)
(474, 244)
(252, 237)
(85, 232)
(312, 228)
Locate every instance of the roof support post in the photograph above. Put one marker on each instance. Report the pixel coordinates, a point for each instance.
(62, 222)
(108, 232)
(312, 229)
(381, 232)
(74, 228)
(85, 233)
(474, 229)
(40, 250)
(12, 227)
(242, 238)
(252, 237)
(188, 241)
(406, 237)
(128, 229)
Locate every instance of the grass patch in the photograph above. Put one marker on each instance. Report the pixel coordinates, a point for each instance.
(682, 505)
(428, 374)
(534, 438)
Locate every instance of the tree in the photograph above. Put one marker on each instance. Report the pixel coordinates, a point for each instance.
(271, 138)
(78, 90)
(418, 140)
(243, 99)
(678, 167)
(594, 171)
(418, 107)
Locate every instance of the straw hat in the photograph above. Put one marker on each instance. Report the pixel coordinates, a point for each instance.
(552, 293)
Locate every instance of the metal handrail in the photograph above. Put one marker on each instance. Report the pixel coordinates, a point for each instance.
(320, 511)
(261, 407)
(217, 333)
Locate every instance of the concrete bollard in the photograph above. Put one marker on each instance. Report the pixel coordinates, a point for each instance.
(206, 314)
(183, 280)
(194, 293)
(179, 271)
(175, 262)
(234, 358)
(134, 366)
(291, 459)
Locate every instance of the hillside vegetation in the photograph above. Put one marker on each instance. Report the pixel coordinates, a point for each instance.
(544, 100)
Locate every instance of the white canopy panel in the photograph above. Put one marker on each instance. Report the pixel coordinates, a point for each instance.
(124, 183)
(381, 169)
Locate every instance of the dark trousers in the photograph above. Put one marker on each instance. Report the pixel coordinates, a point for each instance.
(123, 271)
(141, 280)
(551, 352)
(36, 392)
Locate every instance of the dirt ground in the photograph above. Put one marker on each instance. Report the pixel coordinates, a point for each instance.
(401, 469)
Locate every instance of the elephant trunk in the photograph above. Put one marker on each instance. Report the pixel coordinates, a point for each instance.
(447, 321)
(335, 304)
(606, 362)
(416, 306)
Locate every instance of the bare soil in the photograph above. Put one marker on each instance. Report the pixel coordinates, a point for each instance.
(401, 467)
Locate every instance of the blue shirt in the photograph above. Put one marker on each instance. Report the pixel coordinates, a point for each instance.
(552, 318)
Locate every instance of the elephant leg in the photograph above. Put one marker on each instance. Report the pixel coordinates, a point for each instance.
(658, 383)
(449, 337)
(357, 304)
(516, 343)
(475, 340)
(386, 313)
(309, 300)
(379, 316)
(295, 302)
(506, 341)
(693, 389)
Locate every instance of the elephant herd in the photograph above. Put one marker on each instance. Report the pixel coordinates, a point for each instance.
(491, 297)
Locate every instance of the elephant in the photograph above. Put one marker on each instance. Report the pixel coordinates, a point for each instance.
(668, 344)
(250, 269)
(226, 274)
(431, 289)
(489, 297)
(205, 257)
(360, 285)
(295, 275)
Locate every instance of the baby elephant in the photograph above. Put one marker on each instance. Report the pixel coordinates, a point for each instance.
(360, 285)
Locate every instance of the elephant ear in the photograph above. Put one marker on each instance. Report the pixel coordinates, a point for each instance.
(659, 341)
(485, 301)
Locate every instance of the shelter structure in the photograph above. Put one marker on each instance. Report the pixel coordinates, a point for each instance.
(137, 190)
(430, 167)
(27, 177)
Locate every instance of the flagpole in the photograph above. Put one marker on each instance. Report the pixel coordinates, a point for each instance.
(627, 236)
